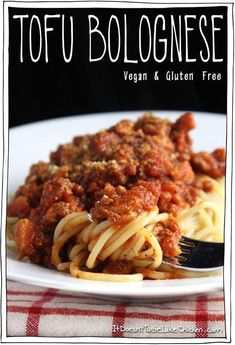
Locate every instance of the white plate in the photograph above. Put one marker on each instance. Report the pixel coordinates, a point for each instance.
(33, 142)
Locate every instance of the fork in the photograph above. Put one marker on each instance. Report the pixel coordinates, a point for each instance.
(198, 256)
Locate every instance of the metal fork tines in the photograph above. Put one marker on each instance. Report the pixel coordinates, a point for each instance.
(198, 255)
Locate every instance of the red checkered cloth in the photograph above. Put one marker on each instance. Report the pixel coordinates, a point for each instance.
(37, 311)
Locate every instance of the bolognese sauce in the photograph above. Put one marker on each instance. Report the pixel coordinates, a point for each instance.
(115, 174)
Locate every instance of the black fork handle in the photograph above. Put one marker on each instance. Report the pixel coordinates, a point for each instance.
(205, 255)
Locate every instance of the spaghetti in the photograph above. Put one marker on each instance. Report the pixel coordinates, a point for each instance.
(109, 206)
(204, 221)
(97, 242)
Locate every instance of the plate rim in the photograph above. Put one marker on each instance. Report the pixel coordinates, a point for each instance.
(155, 112)
(112, 289)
